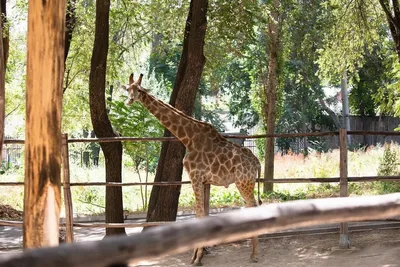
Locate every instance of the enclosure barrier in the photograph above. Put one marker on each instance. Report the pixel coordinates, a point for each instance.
(342, 180)
(182, 236)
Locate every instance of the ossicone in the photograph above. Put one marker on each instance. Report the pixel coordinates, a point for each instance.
(138, 82)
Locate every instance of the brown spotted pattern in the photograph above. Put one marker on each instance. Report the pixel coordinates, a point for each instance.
(210, 158)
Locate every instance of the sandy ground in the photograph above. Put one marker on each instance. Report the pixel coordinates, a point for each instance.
(369, 249)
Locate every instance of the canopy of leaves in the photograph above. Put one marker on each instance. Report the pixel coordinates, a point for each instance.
(321, 39)
(351, 27)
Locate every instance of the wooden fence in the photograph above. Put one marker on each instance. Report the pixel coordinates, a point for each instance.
(343, 179)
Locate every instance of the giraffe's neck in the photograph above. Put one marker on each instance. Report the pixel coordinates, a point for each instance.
(178, 123)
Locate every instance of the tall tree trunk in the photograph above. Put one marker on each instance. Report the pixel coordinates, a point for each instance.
(4, 44)
(101, 123)
(45, 66)
(271, 92)
(163, 204)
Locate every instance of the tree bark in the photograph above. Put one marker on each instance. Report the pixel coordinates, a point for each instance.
(45, 66)
(101, 123)
(392, 13)
(3, 62)
(70, 22)
(6, 32)
(163, 204)
(271, 93)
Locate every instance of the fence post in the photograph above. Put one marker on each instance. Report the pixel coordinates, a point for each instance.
(207, 188)
(344, 241)
(67, 191)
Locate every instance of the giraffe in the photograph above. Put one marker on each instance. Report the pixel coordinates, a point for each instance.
(210, 158)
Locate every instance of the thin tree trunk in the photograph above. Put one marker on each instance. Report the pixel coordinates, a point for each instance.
(163, 204)
(6, 32)
(70, 22)
(147, 180)
(271, 93)
(45, 66)
(141, 186)
(4, 44)
(2, 95)
(101, 123)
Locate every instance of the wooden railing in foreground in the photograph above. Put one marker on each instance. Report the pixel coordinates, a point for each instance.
(229, 227)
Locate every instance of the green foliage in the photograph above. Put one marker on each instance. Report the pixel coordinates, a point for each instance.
(231, 31)
(260, 143)
(76, 113)
(371, 84)
(236, 83)
(137, 121)
(16, 69)
(222, 197)
(236, 49)
(317, 145)
(389, 164)
(303, 32)
(282, 196)
(351, 28)
(163, 64)
(365, 86)
(388, 95)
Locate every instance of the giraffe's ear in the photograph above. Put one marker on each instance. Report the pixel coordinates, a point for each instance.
(139, 81)
(131, 79)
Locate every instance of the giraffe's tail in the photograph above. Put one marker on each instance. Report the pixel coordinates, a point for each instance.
(258, 182)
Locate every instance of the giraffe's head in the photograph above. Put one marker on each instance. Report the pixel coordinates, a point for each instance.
(133, 89)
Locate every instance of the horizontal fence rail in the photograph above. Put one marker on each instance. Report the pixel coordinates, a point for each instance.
(162, 139)
(228, 227)
(93, 225)
(275, 180)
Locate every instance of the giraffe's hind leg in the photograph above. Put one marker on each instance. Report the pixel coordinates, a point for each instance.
(246, 190)
(198, 188)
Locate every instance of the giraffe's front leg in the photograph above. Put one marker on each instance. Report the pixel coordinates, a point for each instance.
(198, 188)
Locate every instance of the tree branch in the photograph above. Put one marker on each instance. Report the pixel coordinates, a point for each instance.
(385, 8)
(330, 112)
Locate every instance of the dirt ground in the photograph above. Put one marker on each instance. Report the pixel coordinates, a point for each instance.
(369, 249)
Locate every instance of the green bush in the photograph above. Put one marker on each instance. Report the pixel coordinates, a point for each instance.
(389, 166)
(389, 163)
